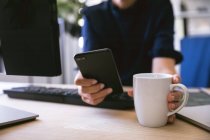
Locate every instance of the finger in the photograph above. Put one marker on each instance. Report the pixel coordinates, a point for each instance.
(173, 106)
(92, 89)
(177, 95)
(171, 119)
(101, 94)
(86, 100)
(95, 102)
(85, 82)
(176, 79)
(83, 99)
(91, 102)
(170, 97)
(96, 98)
(174, 96)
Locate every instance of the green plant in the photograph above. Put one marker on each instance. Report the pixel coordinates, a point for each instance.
(69, 10)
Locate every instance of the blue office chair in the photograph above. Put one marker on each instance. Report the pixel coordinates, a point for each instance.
(195, 68)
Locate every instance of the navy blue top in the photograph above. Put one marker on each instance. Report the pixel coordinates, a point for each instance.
(135, 35)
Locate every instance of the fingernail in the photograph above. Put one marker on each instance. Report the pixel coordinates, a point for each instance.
(102, 86)
(109, 90)
(94, 82)
(87, 101)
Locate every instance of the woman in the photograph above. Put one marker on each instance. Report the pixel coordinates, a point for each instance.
(140, 35)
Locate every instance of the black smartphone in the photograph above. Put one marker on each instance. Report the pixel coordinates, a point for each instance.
(100, 65)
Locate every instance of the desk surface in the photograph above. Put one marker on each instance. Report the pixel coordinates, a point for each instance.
(71, 122)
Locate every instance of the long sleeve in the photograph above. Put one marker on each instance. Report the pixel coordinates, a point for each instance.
(163, 42)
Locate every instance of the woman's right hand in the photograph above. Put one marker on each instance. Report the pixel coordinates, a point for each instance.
(90, 90)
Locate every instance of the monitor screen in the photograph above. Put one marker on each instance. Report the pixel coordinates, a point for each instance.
(29, 37)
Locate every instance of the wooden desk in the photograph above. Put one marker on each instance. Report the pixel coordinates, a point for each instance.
(70, 122)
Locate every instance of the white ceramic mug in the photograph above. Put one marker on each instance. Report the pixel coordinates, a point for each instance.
(150, 98)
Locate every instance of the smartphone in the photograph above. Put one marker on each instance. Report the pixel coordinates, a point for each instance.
(100, 65)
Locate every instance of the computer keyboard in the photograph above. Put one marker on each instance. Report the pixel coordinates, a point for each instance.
(68, 96)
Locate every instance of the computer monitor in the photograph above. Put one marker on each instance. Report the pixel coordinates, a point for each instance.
(29, 37)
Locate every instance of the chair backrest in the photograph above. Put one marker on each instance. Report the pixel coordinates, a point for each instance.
(195, 68)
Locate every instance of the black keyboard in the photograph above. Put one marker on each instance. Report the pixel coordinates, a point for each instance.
(68, 96)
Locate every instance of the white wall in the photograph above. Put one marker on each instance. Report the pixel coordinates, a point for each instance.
(199, 25)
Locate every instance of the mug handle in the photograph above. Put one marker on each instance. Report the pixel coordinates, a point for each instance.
(184, 98)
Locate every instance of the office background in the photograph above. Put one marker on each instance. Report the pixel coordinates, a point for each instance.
(192, 19)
